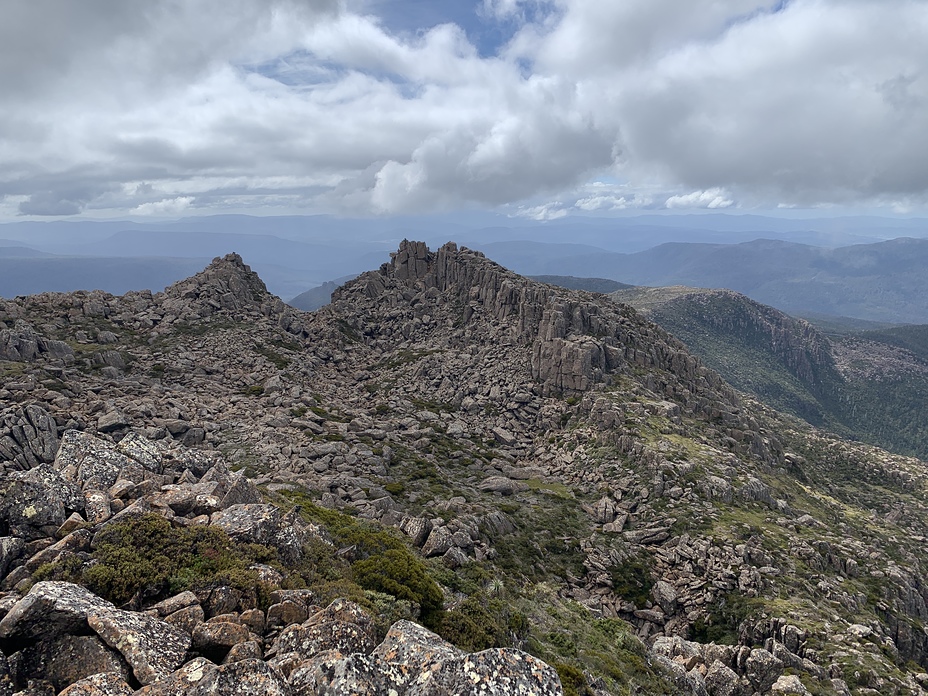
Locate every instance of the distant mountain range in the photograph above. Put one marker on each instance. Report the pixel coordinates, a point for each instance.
(884, 281)
(866, 268)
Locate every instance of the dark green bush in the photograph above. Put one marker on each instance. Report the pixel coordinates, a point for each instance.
(147, 557)
(399, 573)
(572, 679)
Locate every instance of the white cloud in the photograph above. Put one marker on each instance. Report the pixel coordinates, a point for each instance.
(166, 206)
(314, 104)
(546, 211)
(712, 199)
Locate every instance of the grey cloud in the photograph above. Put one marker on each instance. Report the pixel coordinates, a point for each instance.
(694, 102)
(51, 203)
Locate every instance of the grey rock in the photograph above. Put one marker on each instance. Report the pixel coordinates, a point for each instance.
(10, 550)
(417, 529)
(410, 644)
(722, 681)
(142, 451)
(216, 638)
(309, 639)
(101, 684)
(111, 421)
(68, 658)
(152, 647)
(186, 619)
(439, 541)
(176, 603)
(501, 484)
(51, 608)
(762, 669)
(494, 671)
(85, 459)
(263, 524)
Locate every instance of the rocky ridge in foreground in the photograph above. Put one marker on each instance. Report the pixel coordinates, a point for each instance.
(576, 484)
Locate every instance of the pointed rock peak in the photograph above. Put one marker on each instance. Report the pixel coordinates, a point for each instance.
(228, 281)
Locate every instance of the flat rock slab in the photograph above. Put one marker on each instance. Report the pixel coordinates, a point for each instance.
(152, 648)
(50, 609)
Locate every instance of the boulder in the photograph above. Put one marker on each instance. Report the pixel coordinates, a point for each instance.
(762, 669)
(502, 485)
(67, 659)
(722, 681)
(152, 647)
(86, 459)
(50, 609)
(263, 524)
(102, 684)
(494, 671)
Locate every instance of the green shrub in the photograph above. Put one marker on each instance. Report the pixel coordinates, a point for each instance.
(398, 572)
(572, 679)
(145, 557)
(632, 581)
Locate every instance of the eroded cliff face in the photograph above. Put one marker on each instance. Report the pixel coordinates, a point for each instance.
(581, 486)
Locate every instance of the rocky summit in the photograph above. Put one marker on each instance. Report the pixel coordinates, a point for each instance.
(450, 480)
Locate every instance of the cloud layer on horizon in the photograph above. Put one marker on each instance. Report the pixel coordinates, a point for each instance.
(319, 105)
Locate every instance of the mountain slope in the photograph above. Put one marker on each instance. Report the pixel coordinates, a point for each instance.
(869, 385)
(578, 483)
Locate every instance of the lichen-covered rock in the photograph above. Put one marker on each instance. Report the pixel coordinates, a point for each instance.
(789, 685)
(494, 671)
(330, 635)
(102, 684)
(342, 609)
(439, 541)
(216, 638)
(722, 681)
(330, 674)
(417, 529)
(762, 669)
(176, 603)
(51, 608)
(186, 619)
(152, 648)
(286, 613)
(10, 549)
(28, 505)
(502, 485)
(67, 659)
(263, 524)
(141, 450)
(183, 681)
(88, 460)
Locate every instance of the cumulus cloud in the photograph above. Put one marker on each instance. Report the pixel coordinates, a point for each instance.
(166, 206)
(318, 105)
(711, 199)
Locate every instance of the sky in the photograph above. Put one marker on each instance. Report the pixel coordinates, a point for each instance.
(538, 109)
